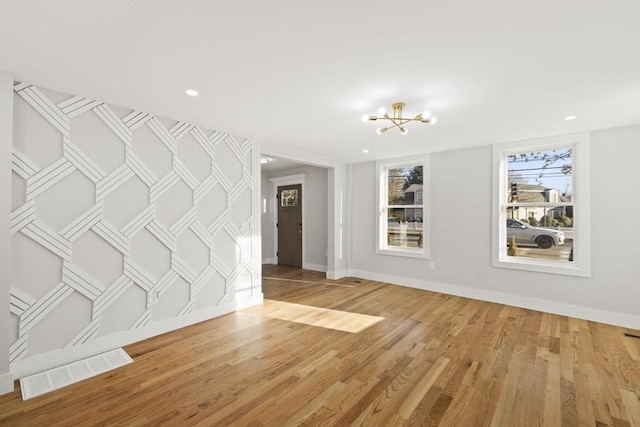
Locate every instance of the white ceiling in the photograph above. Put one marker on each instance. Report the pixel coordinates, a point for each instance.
(275, 164)
(298, 75)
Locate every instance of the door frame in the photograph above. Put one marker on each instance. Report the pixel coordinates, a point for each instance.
(275, 183)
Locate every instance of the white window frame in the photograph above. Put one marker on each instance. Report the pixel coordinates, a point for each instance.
(382, 246)
(580, 199)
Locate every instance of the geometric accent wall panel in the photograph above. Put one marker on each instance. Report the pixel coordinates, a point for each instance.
(129, 206)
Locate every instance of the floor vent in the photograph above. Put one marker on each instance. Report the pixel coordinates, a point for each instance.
(53, 379)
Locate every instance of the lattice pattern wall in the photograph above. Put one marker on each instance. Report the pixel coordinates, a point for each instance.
(105, 230)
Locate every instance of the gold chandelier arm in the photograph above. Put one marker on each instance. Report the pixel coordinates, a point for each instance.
(397, 120)
(400, 120)
(397, 123)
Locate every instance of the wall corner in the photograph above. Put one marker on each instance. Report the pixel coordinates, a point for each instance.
(6, 137)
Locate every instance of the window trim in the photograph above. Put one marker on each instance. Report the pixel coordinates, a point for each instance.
(382, 247)
(581, 265)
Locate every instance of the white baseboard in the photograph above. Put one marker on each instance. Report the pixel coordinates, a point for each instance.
(41, 362)
(314, 267)
(306, 265)
(579, 312)
(336, 274)
(6, 383)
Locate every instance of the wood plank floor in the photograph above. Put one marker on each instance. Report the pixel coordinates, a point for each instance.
(357, 352)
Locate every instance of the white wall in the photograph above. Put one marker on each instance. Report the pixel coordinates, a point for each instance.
(314, 216)
(267, 219)
(6, 137)
(124, 226)
(461, 241)
(339, 209)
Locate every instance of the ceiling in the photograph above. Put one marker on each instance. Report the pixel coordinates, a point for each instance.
(298, 75)
(275, 164)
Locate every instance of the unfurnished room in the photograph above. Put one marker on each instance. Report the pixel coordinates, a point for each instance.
(332, 213)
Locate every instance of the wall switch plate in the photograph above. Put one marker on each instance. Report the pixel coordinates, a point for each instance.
(432, 265)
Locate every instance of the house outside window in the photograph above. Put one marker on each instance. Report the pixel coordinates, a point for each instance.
(402, 197)
(541, 205)
(419, 196)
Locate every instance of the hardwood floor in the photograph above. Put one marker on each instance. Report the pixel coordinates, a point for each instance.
(357, 352)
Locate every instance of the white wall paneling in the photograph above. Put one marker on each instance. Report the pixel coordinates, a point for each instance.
(123, 225)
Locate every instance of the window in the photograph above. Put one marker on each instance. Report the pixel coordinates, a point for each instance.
(403, 221)
(289, 198)
(541, 205)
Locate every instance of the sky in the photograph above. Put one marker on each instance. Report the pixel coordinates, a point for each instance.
(530, 166)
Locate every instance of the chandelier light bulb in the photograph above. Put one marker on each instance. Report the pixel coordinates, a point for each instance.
(397, 118)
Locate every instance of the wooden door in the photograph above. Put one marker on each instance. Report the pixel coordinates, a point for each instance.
(290, 225)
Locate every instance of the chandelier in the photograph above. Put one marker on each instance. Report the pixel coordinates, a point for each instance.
(397, 120)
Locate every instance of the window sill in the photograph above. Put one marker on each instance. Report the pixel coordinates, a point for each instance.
(403, 252)
(542, 266)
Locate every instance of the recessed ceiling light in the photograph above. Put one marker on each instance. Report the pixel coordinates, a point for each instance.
(570, 117)
(365, 151)
(191, 92)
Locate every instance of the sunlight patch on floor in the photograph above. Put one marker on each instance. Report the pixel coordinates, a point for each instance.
(315, 316)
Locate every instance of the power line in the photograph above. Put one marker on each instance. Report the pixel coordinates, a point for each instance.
(537, 169)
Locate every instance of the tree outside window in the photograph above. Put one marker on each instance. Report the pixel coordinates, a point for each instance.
(402, 208)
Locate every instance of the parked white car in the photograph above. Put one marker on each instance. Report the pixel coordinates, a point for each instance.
(526, 234)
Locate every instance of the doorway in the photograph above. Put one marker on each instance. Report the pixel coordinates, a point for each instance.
(289, 199)
(313, 205)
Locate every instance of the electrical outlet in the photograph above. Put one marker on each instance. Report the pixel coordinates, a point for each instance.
(432, 265)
